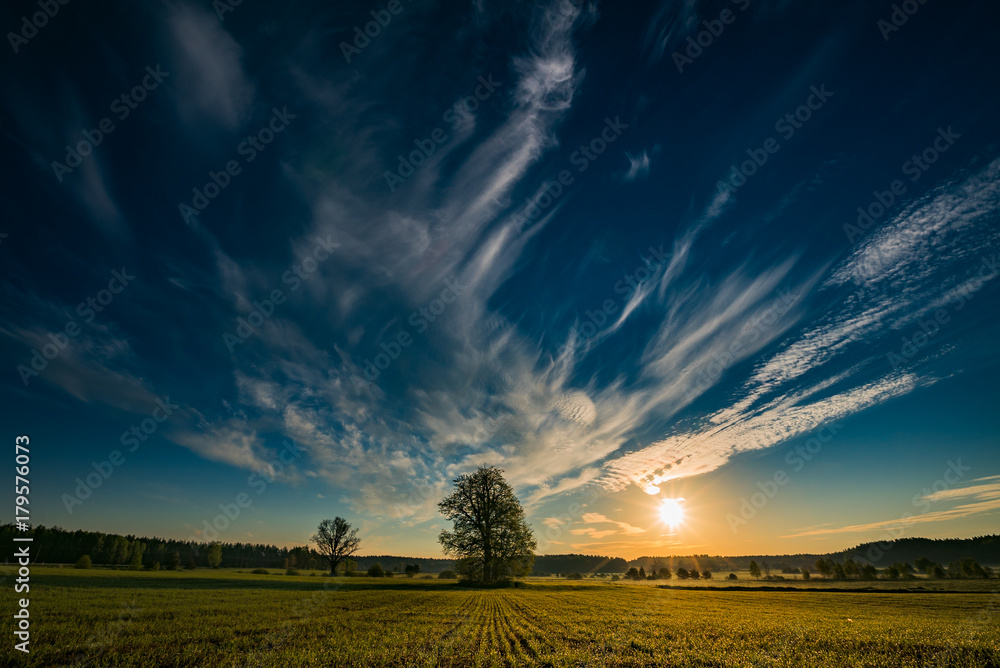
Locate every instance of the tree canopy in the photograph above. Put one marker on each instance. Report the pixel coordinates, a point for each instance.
(490, 538)
(336, 541)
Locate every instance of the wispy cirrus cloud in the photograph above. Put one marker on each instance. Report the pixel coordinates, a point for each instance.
(210, 69)
(981, 499)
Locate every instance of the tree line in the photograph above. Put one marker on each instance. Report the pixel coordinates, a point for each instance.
(849, 569)
(61, 546)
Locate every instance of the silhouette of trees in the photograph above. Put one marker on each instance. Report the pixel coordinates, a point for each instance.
(214, 556)
(336, 541)
(754, 570)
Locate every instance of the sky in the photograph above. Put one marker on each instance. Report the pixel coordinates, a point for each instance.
(269, 263)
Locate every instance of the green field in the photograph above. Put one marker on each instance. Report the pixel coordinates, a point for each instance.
(225, 618)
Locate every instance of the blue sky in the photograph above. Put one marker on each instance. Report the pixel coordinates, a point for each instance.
(741, 253)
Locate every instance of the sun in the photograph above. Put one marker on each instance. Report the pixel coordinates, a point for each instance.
(672, 512)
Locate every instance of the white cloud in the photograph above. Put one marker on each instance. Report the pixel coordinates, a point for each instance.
(210, 73)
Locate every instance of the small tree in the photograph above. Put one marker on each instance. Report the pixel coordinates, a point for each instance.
(707, 575)
(83, 562)
(214, 555)
(732, 576)
(694, 574)
(642, 573)
(754, 570)
(823, 567)
(805, 573)
(412, 569)
(174, 560)
(664, 573)
(375, 570)
(682, 573)
(336, 541)
(632, 573)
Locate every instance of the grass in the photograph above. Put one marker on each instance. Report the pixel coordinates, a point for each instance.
(225, 618)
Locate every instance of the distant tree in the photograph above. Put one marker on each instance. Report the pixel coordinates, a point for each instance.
(632, 573)
(615, 578)
(682, 573)
(336, 541)
(191, 564)
(375, 571)
(823, 568)
(892, 572)
(574, 576)
(937, 572)
(732, 576)
(490, 537)
(838, 572)
(135, 563)
(664, 573)
(805, 573)
(446, 575)
(694, 574)
(174, 560)
(214, 555)
(412, 569)
(869, 572)
(766, 569)
(83, 562)
(707, 575)
(642, 573)
(966, 568)
(851, 569)
(754, 570)
(923, 564)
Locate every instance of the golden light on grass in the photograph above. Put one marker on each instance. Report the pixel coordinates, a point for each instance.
(672, 512)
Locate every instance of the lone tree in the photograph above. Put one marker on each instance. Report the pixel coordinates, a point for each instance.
(490, 538)
(336, 541)
(754, 570)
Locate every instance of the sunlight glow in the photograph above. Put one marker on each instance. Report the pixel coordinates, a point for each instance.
(671, 512)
